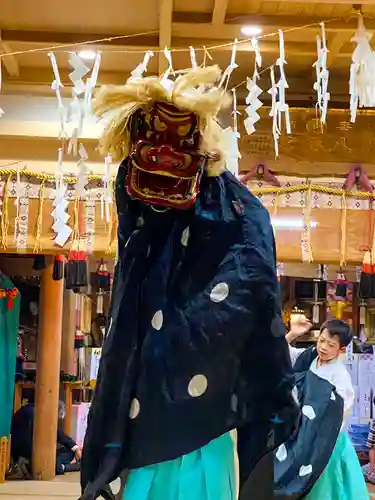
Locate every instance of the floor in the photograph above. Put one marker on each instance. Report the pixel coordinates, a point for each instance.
(61, 488)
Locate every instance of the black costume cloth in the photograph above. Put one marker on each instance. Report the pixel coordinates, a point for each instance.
(195, 294)
(300, 461)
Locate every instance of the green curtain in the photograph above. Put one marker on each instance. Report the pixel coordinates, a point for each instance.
(9, 319)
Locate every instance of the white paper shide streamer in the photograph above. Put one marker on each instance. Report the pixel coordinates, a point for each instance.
(82, 173)
(59, 213)
(362, 72)
(279, 107)
(57, 86)
(142, 67)
(106, 199)
(232, 66)
(252, 100)
(77, 108)
(233, 135)
(322, 76)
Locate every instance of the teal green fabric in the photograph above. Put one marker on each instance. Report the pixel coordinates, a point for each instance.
(204, 474)
(9, 320)
(343, 477)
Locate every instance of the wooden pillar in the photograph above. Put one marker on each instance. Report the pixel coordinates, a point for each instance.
(68, 333)
(48, 375)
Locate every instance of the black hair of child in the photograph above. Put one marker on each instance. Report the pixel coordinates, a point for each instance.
(337, 327)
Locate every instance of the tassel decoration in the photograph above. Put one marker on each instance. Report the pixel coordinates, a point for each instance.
(365, 284)
(39, 263)
(58, 268)
(77, 270)
(341, 286)
(104, 281)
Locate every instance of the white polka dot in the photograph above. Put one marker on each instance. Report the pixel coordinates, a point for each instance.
(219, 292)
(135, 408)
(110, 326)
(116, 486)
(140, 221)
(185, 237)
(281, 453)
(234, 402)
(333, 396)
(309, 412)
(305, 470)
(295, 394)
(197, 386)
(157, 320)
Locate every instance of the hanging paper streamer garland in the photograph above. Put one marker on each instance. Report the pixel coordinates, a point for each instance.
(57, 86)
(107, 199)
(193, 58)
(252, 99)
(232, 66)
(142, 67)
(362, 72)
(82, 174)
(277, 92)
(322, 76)
(231, 136)
(91, 82)
(169, 71)
(76, 108)
(61, 217)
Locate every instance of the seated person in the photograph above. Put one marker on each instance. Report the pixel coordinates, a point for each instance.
(369, 469)
(68, 453)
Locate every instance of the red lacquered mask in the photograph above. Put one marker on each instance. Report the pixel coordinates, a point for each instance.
(165, 168)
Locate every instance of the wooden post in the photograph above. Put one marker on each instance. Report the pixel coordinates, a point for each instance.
(68, 333)
(47, 376)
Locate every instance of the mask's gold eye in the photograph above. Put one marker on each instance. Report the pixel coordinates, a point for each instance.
(184, 130)
(159, 125)
(144, 152)
(187, 161)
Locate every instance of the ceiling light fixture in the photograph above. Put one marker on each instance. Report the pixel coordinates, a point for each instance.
(89, 55)
(251, 30)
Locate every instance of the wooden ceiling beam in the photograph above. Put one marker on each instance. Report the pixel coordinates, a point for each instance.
(10, 62)
(219, 12)
(341, 2)
(336, 45)
(269, 24)
(165, 31)
(57, 38)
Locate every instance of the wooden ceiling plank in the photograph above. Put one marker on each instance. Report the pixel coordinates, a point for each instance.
(219, 12)
(342, 2)
(268, 24)
(165, 31)
(336, 45)
(10, 62)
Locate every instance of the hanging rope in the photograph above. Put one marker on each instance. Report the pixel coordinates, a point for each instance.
(5, 215)
(343, 230)
(276, 205)
(111, 224)
(39, 222)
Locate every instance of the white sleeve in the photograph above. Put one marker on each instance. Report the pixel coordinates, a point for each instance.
(295, 353)
(344, 388)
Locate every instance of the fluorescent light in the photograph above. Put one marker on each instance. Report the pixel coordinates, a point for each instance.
(89, 55)
(289, 223)
(251, 30)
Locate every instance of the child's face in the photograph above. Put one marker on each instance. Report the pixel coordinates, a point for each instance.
(328, 347)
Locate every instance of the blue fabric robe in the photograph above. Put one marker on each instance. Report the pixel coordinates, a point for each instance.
(196, 342)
